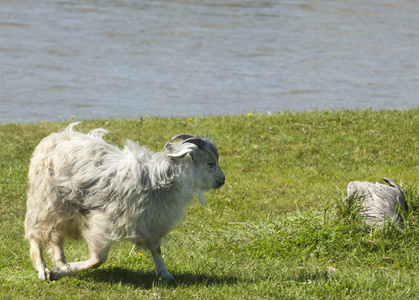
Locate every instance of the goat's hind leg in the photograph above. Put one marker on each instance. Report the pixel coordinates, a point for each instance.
(99, 246)
(38, 259)
(57, 253)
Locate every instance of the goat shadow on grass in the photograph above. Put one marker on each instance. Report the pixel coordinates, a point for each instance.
(146, 280)
(304, 276)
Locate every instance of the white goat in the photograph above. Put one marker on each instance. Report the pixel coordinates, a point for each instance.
(81, 186)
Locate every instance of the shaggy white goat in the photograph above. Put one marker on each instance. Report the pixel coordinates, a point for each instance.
(81, 186)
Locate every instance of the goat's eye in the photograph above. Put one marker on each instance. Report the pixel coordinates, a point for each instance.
(212, 164)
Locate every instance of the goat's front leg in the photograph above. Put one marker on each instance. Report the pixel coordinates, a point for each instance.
(161, 269)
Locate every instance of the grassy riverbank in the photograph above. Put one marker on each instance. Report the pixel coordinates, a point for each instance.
(275, 230)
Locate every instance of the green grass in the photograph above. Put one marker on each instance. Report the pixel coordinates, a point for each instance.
(278, 229)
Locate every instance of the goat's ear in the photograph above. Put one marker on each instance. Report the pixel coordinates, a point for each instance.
(179, 152)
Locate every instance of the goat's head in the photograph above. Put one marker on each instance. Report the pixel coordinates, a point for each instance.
(204, 155)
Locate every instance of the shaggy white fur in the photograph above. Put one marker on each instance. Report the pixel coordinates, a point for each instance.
(79, 185)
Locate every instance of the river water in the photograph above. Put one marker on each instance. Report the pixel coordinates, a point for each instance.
(112, 58)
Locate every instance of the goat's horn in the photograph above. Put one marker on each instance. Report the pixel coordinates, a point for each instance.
(182, 136)
(195, 140)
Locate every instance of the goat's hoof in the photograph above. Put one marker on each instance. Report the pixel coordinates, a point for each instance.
(167, 278)
(44, 274)
(55, 274)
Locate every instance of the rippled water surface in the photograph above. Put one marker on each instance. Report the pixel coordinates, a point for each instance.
(110, 59)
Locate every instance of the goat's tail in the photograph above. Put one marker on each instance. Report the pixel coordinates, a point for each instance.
(69, 128)
(96, 133)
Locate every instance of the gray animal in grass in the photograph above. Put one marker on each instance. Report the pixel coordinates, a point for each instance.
(379, 203)
(79, 185)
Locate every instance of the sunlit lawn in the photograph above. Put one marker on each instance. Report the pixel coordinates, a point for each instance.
(273, 231)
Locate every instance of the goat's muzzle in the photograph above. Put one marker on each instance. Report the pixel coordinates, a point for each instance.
(219, 183)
